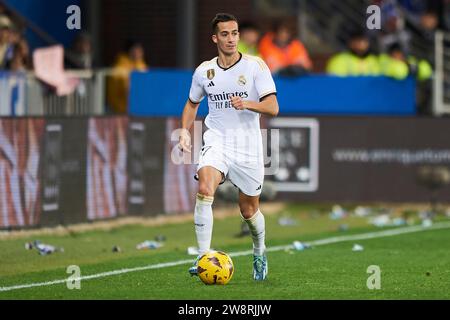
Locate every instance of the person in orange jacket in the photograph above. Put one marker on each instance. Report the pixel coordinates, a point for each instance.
(283, 52)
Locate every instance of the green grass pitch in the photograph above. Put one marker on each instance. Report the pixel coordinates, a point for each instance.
(413, 265)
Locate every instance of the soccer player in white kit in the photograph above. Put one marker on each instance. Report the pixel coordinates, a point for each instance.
(239, 88)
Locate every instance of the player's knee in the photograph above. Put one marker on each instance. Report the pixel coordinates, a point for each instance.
(206, 190)
(248, 210)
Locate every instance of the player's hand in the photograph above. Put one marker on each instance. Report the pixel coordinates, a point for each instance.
(237, 103)
(185, 141)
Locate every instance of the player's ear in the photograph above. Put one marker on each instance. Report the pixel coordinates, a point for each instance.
(214, 38)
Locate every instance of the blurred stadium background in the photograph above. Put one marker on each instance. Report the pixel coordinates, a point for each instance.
(88, 113)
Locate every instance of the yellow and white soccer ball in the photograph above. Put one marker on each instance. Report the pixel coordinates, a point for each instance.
(215, 267)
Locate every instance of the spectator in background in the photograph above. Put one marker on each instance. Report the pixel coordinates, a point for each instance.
(424, 15)
(393, 28)
(429, 24)
(14, 49)
(132, 59)
(249, 35)
(80, 54)
(20, 60)
(283, 53)
(398, 65)
(80, 57)
(358, 60)
(6, 48)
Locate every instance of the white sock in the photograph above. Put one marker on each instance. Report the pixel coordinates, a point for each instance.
(257, 228)
(203, 219)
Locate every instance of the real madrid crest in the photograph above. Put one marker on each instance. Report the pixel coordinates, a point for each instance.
(242, 81)
(211, 74)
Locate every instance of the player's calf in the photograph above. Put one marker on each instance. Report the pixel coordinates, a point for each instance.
(203, 220)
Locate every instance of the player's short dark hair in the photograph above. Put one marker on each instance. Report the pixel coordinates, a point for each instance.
(221, 17)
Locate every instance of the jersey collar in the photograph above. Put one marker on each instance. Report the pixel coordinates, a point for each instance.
(225, 69)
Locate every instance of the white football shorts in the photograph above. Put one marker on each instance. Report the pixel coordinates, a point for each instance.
(239, 159)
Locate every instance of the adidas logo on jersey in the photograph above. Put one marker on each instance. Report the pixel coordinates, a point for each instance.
(211, 84)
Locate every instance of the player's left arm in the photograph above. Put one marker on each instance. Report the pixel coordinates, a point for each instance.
(267, 106)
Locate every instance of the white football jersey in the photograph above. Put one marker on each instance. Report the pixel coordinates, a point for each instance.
(249, 78)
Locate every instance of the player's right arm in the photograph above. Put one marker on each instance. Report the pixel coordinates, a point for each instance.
(187, 119)
(196, 95)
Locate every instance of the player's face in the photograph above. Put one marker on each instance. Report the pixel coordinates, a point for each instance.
(227, 37)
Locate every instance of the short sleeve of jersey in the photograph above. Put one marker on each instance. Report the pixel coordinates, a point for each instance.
(197, 92)
(263, 80)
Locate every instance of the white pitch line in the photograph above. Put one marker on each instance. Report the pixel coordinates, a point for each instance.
(320, 242)
(98, 275)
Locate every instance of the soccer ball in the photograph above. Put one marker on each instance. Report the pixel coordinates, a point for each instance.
(215, 267)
